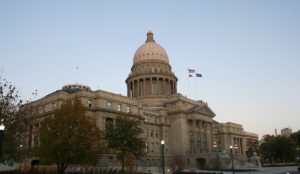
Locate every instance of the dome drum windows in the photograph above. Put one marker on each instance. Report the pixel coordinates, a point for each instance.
(151, 86)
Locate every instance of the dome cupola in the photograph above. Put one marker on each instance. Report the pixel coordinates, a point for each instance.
(151, 76)
(150, 51)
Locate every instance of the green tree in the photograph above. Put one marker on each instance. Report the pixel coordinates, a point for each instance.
(296, 137)
(277, 148)
(70, 137)
(267, 149)
(124, 138)
(285, 148)
(13, 120)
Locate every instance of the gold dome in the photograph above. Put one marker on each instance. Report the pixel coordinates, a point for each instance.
(150, 51)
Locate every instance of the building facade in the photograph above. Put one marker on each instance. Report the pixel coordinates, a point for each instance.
(286, 132)
(192, 136)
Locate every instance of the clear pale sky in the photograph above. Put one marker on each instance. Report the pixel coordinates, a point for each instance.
(247, 51)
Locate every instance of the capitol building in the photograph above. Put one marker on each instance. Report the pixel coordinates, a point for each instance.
(193, 139)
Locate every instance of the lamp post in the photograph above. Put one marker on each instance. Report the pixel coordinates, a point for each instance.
(232, 163)
(2, 127)
(215, 146)
(162, 142)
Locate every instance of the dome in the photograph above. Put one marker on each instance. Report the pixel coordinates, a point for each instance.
(150, 51)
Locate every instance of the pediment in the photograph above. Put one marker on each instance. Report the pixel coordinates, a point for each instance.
(203, 109)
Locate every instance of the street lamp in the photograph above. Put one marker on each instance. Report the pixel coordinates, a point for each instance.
(215, 146)
(2, 127)
(232, 163)
(162, 142)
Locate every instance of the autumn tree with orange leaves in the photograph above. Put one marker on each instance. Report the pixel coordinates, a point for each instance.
(70, 137)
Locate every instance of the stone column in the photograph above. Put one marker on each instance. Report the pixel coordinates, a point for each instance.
(201, 136)
(208, 134)
(133, 89)
(163, 87)
(128, 95)
(144, 87)
(138, 88)
(170, 87)
(151, 86)
(174, 87)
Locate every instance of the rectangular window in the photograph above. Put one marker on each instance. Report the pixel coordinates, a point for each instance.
(109, 105)
(54, 105)
(152, 147)
(146, 132)
(147, 147)
(128, 109)
(119, 107)
(89, 103)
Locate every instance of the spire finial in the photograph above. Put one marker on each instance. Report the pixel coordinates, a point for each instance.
(150, 36)
(149, 30)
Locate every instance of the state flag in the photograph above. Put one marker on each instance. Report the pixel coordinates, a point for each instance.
(198, 75)
(191, 70)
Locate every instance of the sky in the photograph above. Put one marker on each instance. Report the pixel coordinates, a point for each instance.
(248, 52)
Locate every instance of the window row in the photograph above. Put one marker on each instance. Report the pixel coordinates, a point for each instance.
(151, 133)
(152, 69)
(54, 105)
(119, 107)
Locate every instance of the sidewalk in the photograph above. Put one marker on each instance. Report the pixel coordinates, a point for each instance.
(271, 170)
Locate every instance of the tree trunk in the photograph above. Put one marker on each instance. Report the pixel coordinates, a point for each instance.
(122, 163)
(61, 167)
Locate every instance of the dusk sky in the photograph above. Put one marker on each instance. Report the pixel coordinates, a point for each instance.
(247, 51)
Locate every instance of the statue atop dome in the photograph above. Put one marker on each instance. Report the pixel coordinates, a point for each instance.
(149, 36)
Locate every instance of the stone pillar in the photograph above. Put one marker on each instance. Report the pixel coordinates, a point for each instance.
(138, 88)
(144, 87)
(170, 87)
(128, 89)
(201, 136)
(167, 86)
(151, 86)
(209, 139)
(163, 88)
(213, 137)
(133, 89)
(174, 87)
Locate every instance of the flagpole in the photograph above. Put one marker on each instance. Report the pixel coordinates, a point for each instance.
(76, 74)
(188, 76)
(196, 88)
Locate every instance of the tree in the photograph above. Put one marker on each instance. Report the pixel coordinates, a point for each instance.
(11, 118)
(278, 148)
(124, 138)
(69, 137)
(296, 137)
(253, 147)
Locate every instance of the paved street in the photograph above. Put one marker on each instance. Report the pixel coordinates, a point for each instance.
(272, 170)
